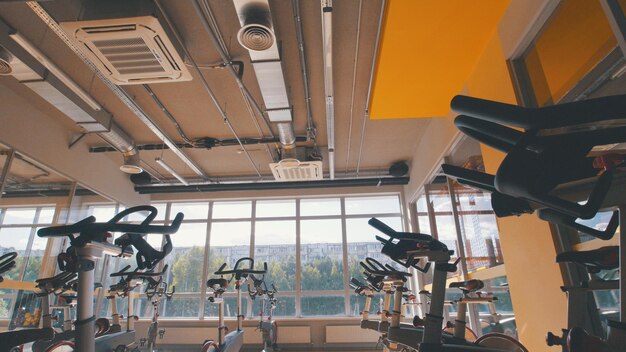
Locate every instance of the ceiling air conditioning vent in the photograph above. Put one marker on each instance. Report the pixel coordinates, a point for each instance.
(132, 50)
(294, 170)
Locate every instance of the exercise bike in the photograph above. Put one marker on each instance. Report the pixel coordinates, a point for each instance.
(10, 340)
(405, 248)
(155, 290)
(233, 341)
(91, 242)
(553, 165)
(269, 327)
(574, 338)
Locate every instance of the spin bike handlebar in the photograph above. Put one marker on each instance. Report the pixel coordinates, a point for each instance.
(387, 270)
(90, 227)
(241, 272)
(409, 236)
(7, 262)
(136, 274)
(60, 282)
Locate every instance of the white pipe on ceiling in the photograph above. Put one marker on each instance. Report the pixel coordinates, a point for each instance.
(327, 38)
(369, 88)
(169, 169)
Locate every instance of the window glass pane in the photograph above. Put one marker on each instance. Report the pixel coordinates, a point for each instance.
(232, 210)
(230, 305)
(186, 263)
(357, 305)
(504, 321)
(102, 212)
(192, 211)
(598, 222)
(140, 216)
(362, 242)
(182, 307)
(275, 208)
(6, 297)
(422, 206)
(321, 253)
(575, 39)
(373, 205)
(323, 206)
(323, 305)
(34, 260)
(19, 216)
(479, 228)
(14, 239)
(229, 242)
(275, 244)
(46, 216)
(285, 307)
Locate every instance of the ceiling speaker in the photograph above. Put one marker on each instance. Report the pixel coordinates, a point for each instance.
(398, 169)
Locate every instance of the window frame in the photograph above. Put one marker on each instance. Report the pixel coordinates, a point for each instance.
(297, 293)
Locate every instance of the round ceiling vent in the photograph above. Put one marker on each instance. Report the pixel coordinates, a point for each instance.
(5, 58)
(256, 37)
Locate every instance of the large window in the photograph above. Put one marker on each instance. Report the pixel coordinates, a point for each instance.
(18, 228)
(307, 244)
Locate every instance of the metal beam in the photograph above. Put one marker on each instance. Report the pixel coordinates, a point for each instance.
(361, 182)
(5, 170)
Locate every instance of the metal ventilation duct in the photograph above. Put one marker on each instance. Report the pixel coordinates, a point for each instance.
(257, 35)
(32, 68)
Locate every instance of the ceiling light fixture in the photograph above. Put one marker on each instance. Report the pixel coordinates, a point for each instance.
(132, 163)
(171, 171)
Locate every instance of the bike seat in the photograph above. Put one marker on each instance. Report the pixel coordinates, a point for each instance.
(217, 284)
(468, 286)
(604, 258)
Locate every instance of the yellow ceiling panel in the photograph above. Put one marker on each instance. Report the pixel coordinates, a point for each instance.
(428, 49)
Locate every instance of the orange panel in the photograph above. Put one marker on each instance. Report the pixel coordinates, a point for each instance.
(576, 38)
(427, 51)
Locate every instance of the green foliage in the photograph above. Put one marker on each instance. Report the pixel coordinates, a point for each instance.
(322, 274)
(187, 269)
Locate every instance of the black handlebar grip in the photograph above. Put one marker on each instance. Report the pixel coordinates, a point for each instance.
(177, 221)
(382, 227)
(66, 230)
(8, 257)
(220, 269)
(153, 213)
(374, 263)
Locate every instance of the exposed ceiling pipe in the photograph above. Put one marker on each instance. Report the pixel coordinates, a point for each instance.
(120, 93)
(172, 172)
(33, 69)
(248, 186)
(210, 25)
(370, 173)
(311, 131)
(369, 87)
(205, 84)
(204, 143)
(258, 37)
(356, 64)
(327, 38)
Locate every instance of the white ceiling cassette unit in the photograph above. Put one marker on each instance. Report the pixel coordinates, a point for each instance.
(134, 50)
(295, 170)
